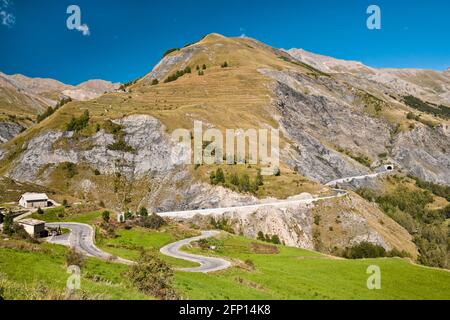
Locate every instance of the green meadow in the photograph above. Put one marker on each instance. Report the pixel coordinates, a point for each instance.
(285, 273)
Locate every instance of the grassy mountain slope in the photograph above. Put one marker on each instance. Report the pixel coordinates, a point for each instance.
(260, 270)
(330, 128)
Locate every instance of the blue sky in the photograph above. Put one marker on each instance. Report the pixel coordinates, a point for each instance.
(127, 38)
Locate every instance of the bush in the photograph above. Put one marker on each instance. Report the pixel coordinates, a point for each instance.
(128, 215)
(221, 224)
(143, 212)
(153, 276)
(177, 74)
(244, 183)
(78, 124)
(152, 221)
(170, 51)
(217, 177)
(121, 145)
(260, 236)
(69, 168)
(155, 82)
(409, 209)
(275, 239)
(74, 258)
(364, 250)
(437, 189)
(40, 211)
(204, 67)
(105, 216)
(249, 263)
(201, 73)
(224, 65)
(46, 114)
(416, 103)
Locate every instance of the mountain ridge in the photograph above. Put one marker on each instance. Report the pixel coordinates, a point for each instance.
(332, 125)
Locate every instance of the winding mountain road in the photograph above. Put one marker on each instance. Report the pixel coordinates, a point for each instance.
(82, 236)
(207, 264)
(277, 204)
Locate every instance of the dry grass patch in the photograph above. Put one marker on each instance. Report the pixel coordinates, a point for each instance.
(261, 248)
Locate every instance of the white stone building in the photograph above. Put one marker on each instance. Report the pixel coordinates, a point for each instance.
(34, 200)
(32, 226)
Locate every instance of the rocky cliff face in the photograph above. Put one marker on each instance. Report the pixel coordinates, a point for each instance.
(424, 152)
(9, 130)
(152, 150)
(325, 226)
(429, 85)
(318, 116)
(327, 122)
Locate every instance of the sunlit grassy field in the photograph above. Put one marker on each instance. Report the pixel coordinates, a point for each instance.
(46, 267)
(299, 274)
(291, 273)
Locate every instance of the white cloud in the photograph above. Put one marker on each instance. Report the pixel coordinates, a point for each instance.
(5, 3)
(7, 19)
(84, 28)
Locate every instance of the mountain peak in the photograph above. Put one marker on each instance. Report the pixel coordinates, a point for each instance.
(213, 37)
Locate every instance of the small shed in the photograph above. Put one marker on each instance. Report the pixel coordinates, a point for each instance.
(32, 226)
(34, 200)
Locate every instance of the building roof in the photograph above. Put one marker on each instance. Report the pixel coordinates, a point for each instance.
(29, 196)
(31, 222)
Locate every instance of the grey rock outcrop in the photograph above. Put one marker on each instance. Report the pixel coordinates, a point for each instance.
(152, 151)
(318, 121)
(9, 130)
(342, 223)
(424, 152)
(162, 69)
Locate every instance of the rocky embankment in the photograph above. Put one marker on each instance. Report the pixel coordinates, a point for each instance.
(9, 130)
(326, 226)
(330, 131)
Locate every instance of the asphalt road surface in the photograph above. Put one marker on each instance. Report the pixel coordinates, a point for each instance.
(186, 214)
(207, 264)
(81, 238)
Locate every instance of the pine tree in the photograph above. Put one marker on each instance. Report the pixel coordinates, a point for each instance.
(261, 236)
(105, 216)
(143, 212)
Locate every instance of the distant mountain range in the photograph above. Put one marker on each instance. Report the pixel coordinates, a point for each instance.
(430, 85)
